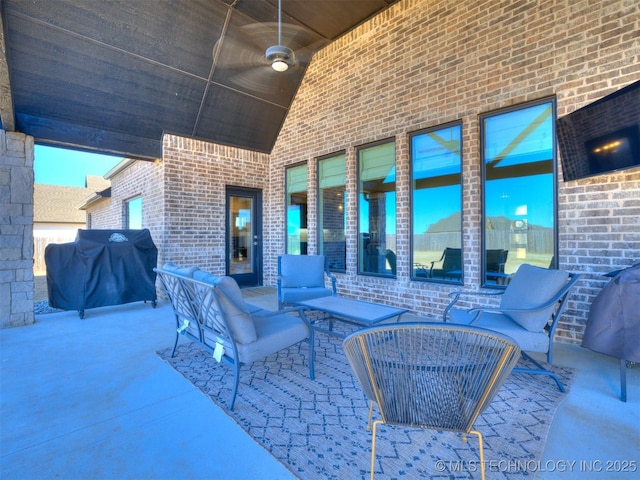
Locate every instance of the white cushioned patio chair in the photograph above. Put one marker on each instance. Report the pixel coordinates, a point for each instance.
(211, 311)
(302, 277)
(529, 309)
(429, 375)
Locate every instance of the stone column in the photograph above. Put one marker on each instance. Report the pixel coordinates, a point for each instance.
(16, 229)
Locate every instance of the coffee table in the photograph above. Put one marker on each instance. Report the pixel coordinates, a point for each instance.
(355, 312)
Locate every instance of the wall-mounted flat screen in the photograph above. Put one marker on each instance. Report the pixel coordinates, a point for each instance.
(601, 137)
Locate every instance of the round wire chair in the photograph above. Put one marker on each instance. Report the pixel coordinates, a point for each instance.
(430, 375)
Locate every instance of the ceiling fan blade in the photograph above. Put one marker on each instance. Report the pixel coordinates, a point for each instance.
(234, 53)
(262, 80)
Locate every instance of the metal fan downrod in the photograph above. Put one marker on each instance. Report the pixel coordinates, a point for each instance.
(280, 57)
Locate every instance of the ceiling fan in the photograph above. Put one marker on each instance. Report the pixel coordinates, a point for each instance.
(247, 57)
(280, 57)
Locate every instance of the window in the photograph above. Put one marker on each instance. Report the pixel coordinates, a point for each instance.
(133, 213)
(518, 155)
(377, 209)
(436, 178)
(332, 211)
(296, 194)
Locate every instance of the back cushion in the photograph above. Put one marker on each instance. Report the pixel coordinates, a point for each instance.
(236, 311)
(302, 270)
(184, 271)
(531, 287)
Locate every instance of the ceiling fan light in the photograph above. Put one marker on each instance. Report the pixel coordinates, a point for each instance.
(279, 65)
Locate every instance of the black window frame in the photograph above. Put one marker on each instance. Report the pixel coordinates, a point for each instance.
(414, 276)
(552, 101)
(305, 216)
(360, 251)
(320, 210)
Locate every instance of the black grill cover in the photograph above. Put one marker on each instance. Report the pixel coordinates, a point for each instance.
(101, 268)
(613, 327)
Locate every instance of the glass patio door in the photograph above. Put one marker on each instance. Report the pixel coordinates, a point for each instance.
(244, 236)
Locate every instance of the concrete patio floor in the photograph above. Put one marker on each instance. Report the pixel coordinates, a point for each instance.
(89, 399)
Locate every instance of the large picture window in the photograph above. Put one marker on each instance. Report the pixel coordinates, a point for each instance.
(332, 211)
(518, 150)
(296, 198)
(377, 209)
(436, 178)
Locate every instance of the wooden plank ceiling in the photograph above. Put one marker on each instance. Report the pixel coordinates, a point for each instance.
(113, 76)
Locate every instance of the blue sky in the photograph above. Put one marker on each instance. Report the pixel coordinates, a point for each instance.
(57, 166)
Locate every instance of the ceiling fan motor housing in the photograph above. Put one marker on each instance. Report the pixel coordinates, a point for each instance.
(280, 53)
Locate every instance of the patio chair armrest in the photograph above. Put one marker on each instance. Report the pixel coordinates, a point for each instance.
(459, 293)
(331, 276)
(333, 283)
(478, 311)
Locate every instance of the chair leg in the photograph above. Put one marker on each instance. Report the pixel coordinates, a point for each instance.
(623, 380)
(481, 451)
(540, 371)
(236, 381)
(373, 446)
(175, 345)
(370, 416)
(312, 354)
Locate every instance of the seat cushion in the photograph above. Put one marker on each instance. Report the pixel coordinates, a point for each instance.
(528, 341)
(275, 331)
(531, 287)
(236, 311)
(497, 322)
(302, 270)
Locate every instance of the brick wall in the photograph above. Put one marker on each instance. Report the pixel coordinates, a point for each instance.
(183, 198)
(423, 63)
(16, 229)
(196, 174)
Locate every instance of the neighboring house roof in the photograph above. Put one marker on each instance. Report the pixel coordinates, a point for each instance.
(94, 198)
(119, 168)
(98, 195)
(59, 204)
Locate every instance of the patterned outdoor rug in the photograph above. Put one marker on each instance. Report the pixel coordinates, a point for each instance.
(317, 429)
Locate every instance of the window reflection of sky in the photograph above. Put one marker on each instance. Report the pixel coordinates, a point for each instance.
(135, 213)
(433, 204)
(520, 137)
(516, 138)
(435, 154)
